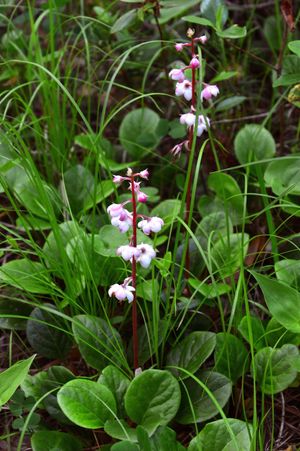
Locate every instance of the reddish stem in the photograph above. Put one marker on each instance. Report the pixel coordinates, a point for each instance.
(133, 264)
(189, 188)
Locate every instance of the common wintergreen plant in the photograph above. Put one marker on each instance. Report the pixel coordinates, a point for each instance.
(134, 252)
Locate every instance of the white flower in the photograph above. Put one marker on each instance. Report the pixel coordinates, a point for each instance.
(118, 179)
(115, 210)
(151, 225)
(176, 74)
(121, 292)
(203, 122)
(188, 119)
(123, 222)
(147, 253)
(144, 174)
(202, 39)
(209, 91)
(127, 252)
(184, 89)
(179, 47)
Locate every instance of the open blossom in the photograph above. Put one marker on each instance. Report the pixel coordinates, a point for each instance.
(202, 39)
(121, 292)
(184, 89)
(144, 174)
(209, 91)
(127, 252)
(147, 253)
(118, 179)
(189, 119)
(194, 63)
(179, 47)
(115, 210)
(149, 225)
(123, 222)
(177, 74)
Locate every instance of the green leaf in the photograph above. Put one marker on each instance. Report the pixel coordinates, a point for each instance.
(212, 227)
(11, 378)
(287, 80)
(87, 404)
(229, 103)
(54, 441)
(288, 271)
(124, 21)
(138, 132)
(215, 436)
(282, 301)
(191, 353)
(99, 343)
(120, 430)
(126, 445)
(10, 309)
(230, 356)
(227, 189)
(168, 210)
(148, 289)
(210, 291)
(283, 176)
(229, 252)
(224, 75)
(79, 185)
(152, 399)
(46, 333)
(214, 10)
(272, 33)
(275, 369)
(199, 21)
(104, 189)
(257, 331)
(117, 383)
(294, 47)
(27, 275)
(253, 143)
(196, 404)
(170, 11)
(233, 32)
(277, 335)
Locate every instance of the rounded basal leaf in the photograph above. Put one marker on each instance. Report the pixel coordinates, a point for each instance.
(11, 378)
(198, 404)
(138, 132)
(212, 227)
(288, 271)
(231, 356)
(257, 335)
(228, 253)
(282, 301)
(125, 445)
(54, 441)
(120, 430)
(87, 404)
(152, 399)
(233, 32)
(253, 143)
(99, 343)
(223, 435)
(283, 176)
(275, 368)
(27, 275)
(277, 335)
(79, 185)
(164, 439)
(118, 383)
(191, 352)
(13, 307)
(46, 333)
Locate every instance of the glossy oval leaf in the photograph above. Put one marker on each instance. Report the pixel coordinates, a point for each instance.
(86, 403)
(153, 399)
(54, 441)
(117, 383)
(253, 143)
(11, 378)
(231, 356)
(191, 353)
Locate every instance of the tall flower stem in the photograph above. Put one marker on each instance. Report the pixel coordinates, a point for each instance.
(133, 265)
(189, 188)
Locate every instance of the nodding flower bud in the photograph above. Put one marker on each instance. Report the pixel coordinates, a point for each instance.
(209, 91)
(147, 253)
(121, 292)
(184, 89)
(115, 210)
(188, 119)
(176, 150)
(194, 63)
(142, 197)
(118, 179)
(179, 47)
(202, 39)
(149, 225)
(144, 174)
(177, 74)
(127, 252)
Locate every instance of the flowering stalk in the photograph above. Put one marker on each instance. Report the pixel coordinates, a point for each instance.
(188, 89)
(134, 252)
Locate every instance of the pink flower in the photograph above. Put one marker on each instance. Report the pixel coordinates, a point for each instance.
(144, 174)
(209, 91)
(121, 292)
(147, 253)
(142, 197)
(194, 63)
(188, 119)
(176, 150)
(184, 89)
(202, 39)
(123, 222)
(118, 179)
(177, 74)
(115, 210)
(127, 252)
(203, 122)
(151, 225)
(179, 47)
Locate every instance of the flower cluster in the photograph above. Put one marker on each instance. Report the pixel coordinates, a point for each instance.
(187, 89)
(123, 219)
